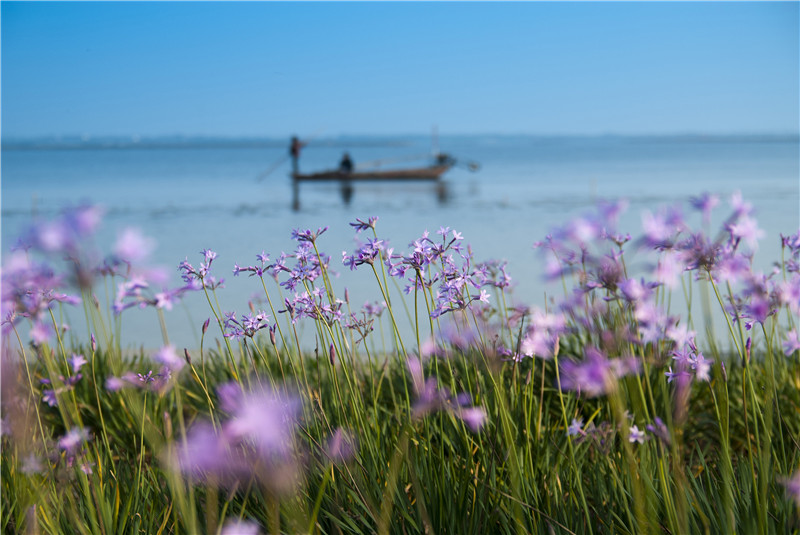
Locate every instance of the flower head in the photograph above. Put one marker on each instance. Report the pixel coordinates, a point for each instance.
(595, 374)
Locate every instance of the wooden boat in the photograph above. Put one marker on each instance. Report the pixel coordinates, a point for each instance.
(433, 172)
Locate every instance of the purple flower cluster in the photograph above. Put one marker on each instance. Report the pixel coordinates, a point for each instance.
(599, 436)
(367, 253)
(602, 435)
(73, 444)
(449, 265)
(201, 274)
(590, 249)
(313, 305)
(29, 290)
(66, 234)
(363, 324)
(307, 235)
(50, 395)
(136, 292)
(360, 225)
(689, 362)
(308, 266)
(248, 326)
(543, 334)
(263, 267)
(159, 382)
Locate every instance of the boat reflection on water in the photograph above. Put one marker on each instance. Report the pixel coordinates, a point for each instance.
(347, 190)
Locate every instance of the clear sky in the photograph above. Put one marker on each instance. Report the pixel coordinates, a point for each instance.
(275, 68)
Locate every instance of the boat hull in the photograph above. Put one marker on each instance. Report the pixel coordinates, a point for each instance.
(421, 173)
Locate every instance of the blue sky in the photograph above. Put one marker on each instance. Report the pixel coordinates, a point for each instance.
(274, 68)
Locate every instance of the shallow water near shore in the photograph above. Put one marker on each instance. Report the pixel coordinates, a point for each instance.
(197, 194)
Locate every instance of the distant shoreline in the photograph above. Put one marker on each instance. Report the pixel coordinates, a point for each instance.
(193, 142)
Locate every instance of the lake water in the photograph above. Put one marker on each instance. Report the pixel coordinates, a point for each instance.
(196, 194)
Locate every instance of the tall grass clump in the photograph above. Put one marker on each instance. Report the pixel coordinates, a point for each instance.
(654, 391)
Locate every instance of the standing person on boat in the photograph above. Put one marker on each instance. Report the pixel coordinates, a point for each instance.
(294, 151)
(346, 165)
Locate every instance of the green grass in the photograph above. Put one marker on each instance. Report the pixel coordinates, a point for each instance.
(518, 475)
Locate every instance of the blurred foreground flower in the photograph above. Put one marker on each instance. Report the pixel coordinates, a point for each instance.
(792, 485)
(256, 442)
(596, 374)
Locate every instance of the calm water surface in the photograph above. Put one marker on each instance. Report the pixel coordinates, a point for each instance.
(194, 197)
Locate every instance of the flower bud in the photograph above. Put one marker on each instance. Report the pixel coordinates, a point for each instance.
(187, 356)
(332, 355)
(94, 343)
(205, 325)
(747, 347)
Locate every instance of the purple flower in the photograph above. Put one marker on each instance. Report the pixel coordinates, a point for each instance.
(659, 430)
(133, 246)
(636, 435)
(473, 417)
(702, 367)
(680, 334)
(307, 235)
(792, 342)
(789, 293)
(595, 375)
(257, 441)
(740, 207)
(705, 203)
(360, 225)
(652, 321)
(240, 527)
(266, 417)
(341, 446)
(115, 383)
(169, 358)
(40, 333)
(732, 268)
(792, 487)
(747, 229)
(74, 438)
(31, 465)
(660, 229)
(635, 290)
(204, 452)
(575, 427)
(77, 361)
(49, 397)
(669, 270)
(583, 230)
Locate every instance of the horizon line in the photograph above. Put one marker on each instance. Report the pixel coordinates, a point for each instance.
(134, 138)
